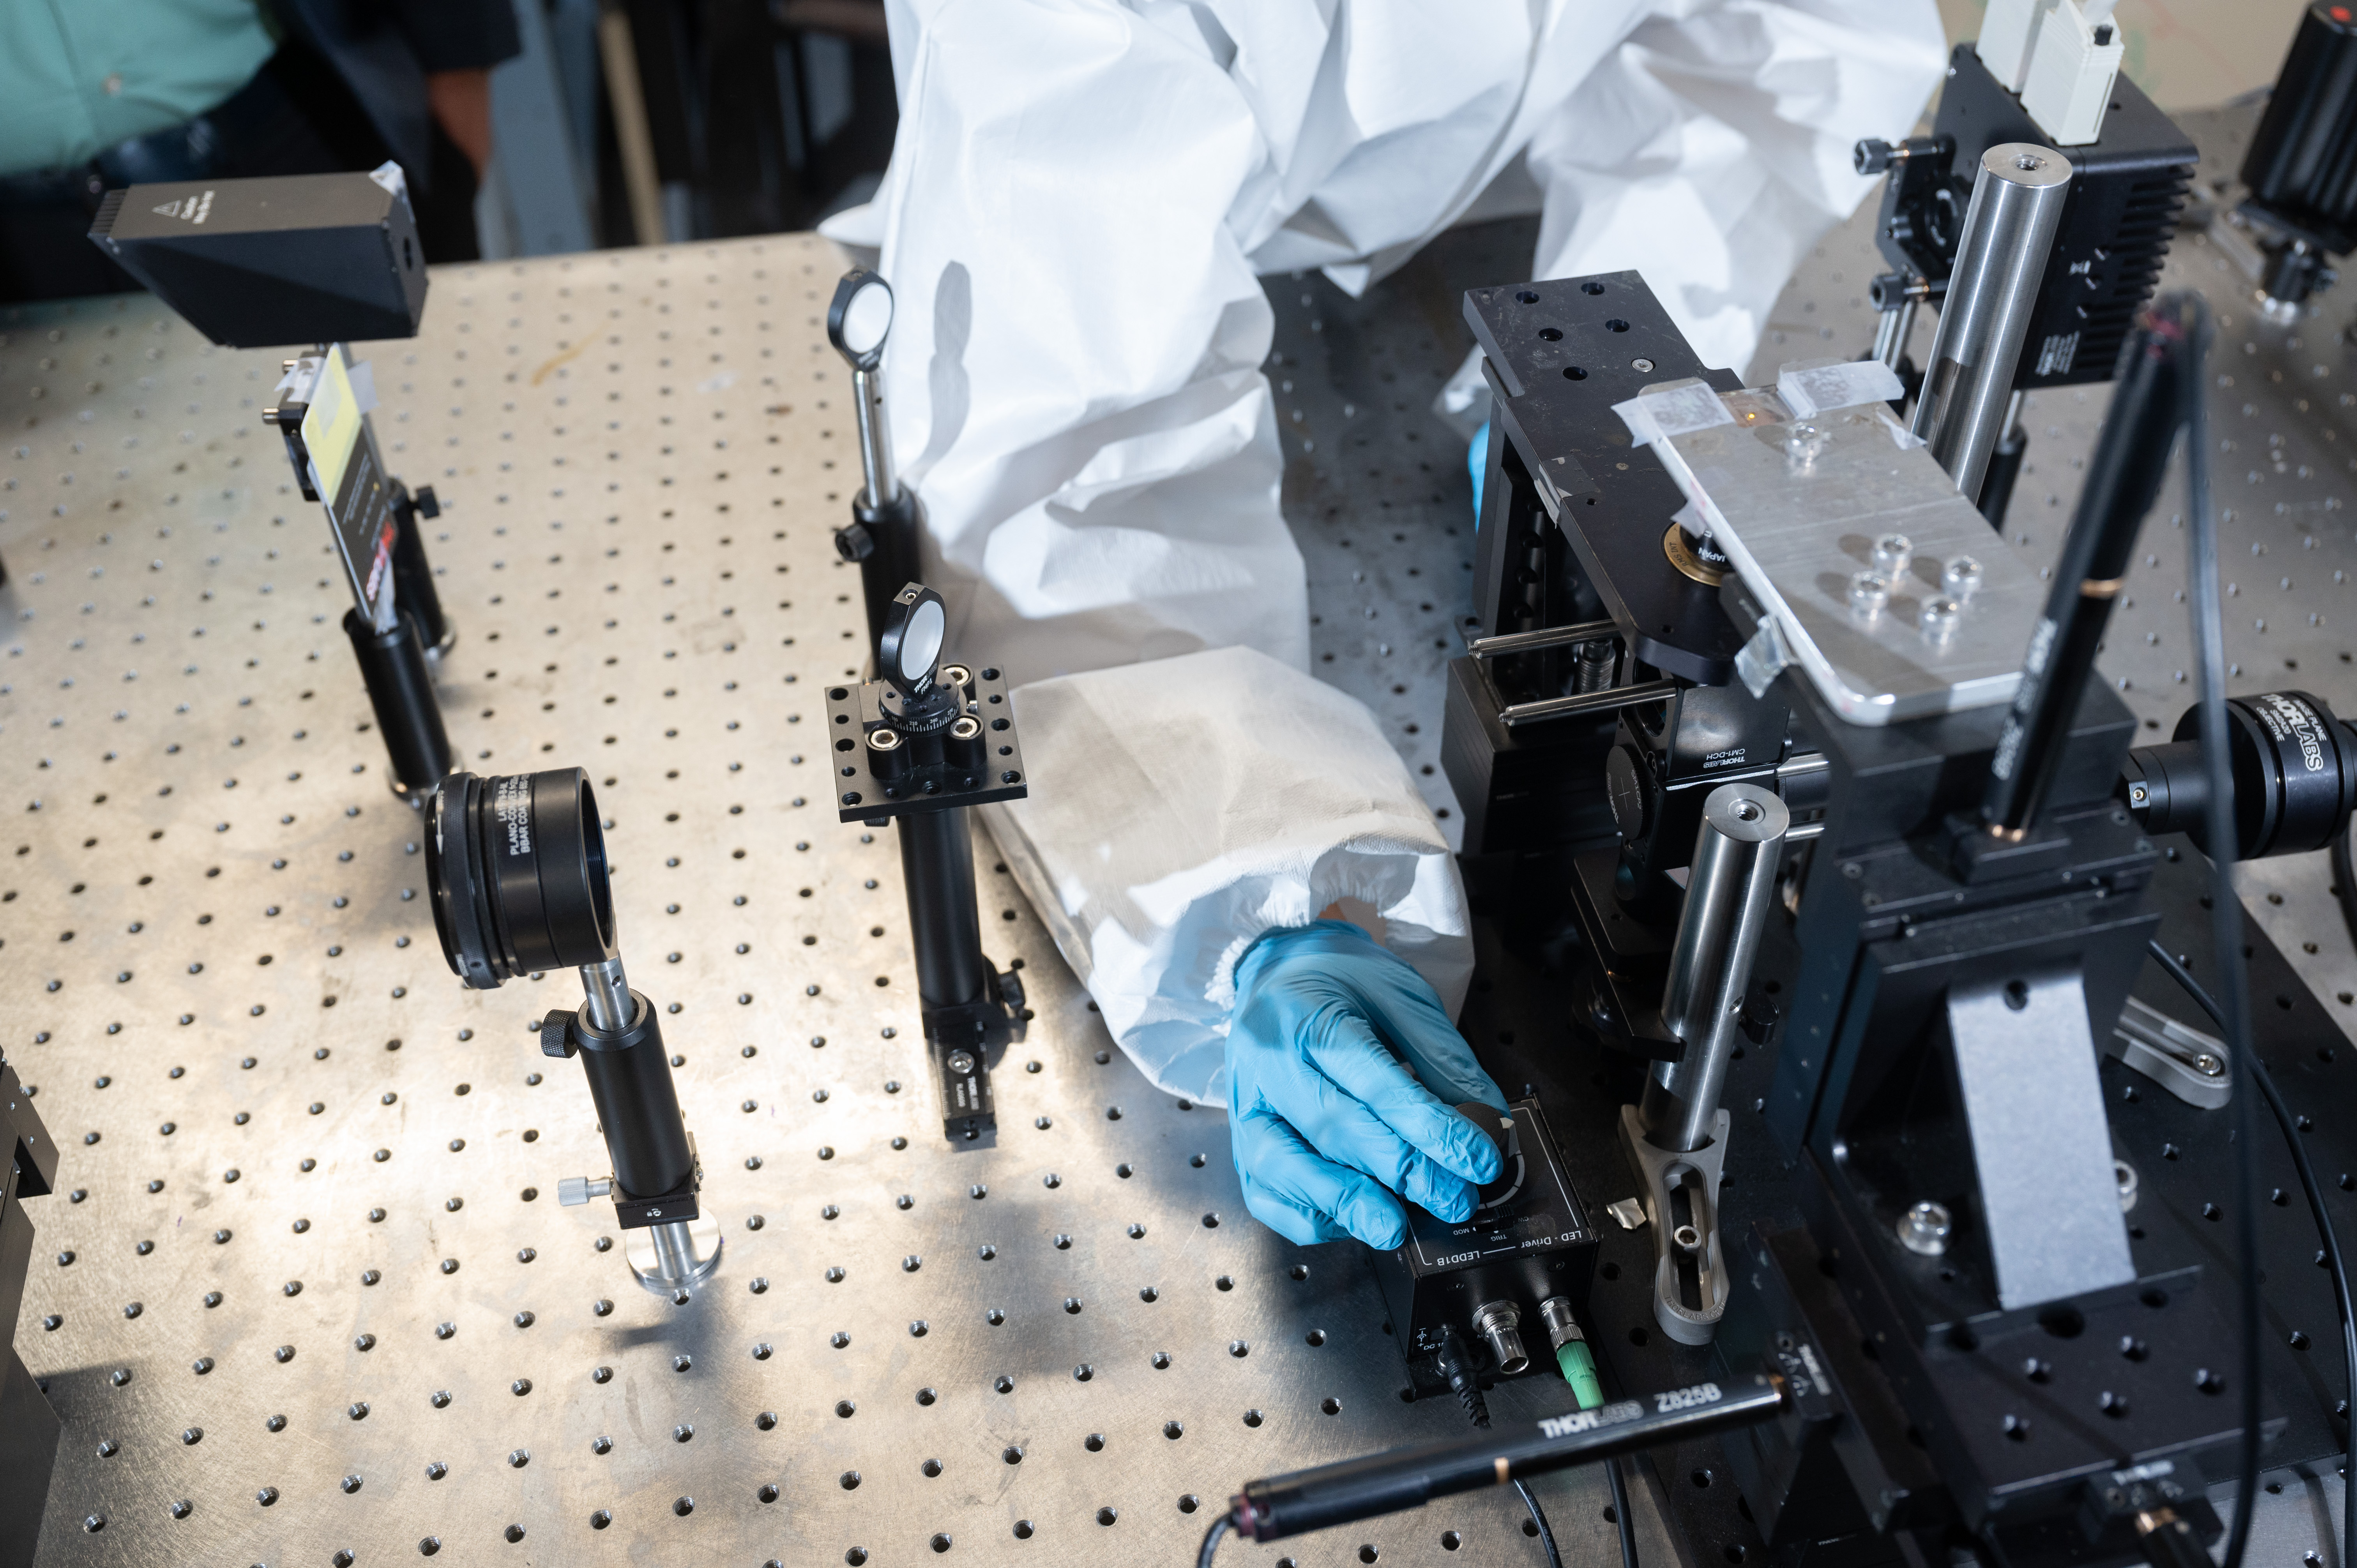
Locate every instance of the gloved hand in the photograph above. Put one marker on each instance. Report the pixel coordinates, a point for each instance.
(1323, 1117)
(1477, 463)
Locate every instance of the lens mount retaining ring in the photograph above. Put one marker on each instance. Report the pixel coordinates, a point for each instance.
(462, 915)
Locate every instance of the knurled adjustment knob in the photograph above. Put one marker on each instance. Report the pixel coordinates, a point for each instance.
(555, 1035)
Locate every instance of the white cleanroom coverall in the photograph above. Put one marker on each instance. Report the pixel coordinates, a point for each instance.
(1080, 201)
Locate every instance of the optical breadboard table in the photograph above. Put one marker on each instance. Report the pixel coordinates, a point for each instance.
(306, 1289)
(304, 1295)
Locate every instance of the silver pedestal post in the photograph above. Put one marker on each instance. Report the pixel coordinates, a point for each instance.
(1677, 1138)
(608, 991)
(2000, 260)
(1729, 887)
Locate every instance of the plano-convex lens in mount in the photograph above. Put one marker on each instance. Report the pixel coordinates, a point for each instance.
(517, 865)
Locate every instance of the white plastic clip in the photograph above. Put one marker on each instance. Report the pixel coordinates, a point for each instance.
(1762, 659)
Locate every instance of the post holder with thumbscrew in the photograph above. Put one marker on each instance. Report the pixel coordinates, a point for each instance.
(922, 744)
(517, 867)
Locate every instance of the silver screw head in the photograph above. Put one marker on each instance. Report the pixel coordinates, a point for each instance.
(1869, 592)
(1925, 1229)
(1804, 443)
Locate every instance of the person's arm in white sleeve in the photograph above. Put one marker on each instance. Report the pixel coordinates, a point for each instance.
(1077, 388)
(1188, 822)
(1078, 397)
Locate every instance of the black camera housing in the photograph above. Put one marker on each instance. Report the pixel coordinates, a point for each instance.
(315, 258)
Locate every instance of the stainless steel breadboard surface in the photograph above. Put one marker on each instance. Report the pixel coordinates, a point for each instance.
(304, 1295)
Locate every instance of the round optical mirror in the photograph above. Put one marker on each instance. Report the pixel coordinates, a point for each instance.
(867, 318)
(921, 643)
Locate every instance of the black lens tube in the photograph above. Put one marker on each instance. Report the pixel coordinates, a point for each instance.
(517, 864)
(2294, 768)
(630, 1080)
(401, 690)
(2123, 478)
(1410, 1478)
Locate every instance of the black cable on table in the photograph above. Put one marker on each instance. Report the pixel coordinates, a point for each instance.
(2324, 1230)
(1457, 1368)
(1538, 1517)
(2188, 318)
(1621, 1514)
(1212, 1541)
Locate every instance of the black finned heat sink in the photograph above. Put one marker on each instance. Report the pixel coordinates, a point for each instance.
(2127, 188)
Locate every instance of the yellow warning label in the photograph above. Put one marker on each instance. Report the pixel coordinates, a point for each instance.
(331, 427)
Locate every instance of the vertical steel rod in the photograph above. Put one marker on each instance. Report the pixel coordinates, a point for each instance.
(875, 436)
(2000, 260)
(608, 991)
(1891, 332)
(675, 1257)
(1730, 887)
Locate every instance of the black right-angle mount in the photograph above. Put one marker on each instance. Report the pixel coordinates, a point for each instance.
(920, 744)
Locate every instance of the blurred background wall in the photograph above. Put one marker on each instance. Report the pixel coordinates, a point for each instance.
(2185, 54)
(645, 122)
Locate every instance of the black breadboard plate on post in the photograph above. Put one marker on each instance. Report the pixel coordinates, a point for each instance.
(1559, 354)
(320, 258)
(861, 796)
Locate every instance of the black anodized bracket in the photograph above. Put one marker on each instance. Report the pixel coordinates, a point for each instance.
(865, 793)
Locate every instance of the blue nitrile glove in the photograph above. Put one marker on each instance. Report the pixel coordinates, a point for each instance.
(1323, 1117)
(1477, 463)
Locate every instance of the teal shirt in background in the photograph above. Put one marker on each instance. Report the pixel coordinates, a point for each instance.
(78, 76)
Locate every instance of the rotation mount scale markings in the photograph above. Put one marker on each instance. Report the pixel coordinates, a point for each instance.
(222, 978)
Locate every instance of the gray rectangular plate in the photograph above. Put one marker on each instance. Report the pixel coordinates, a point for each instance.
(1798, 531)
